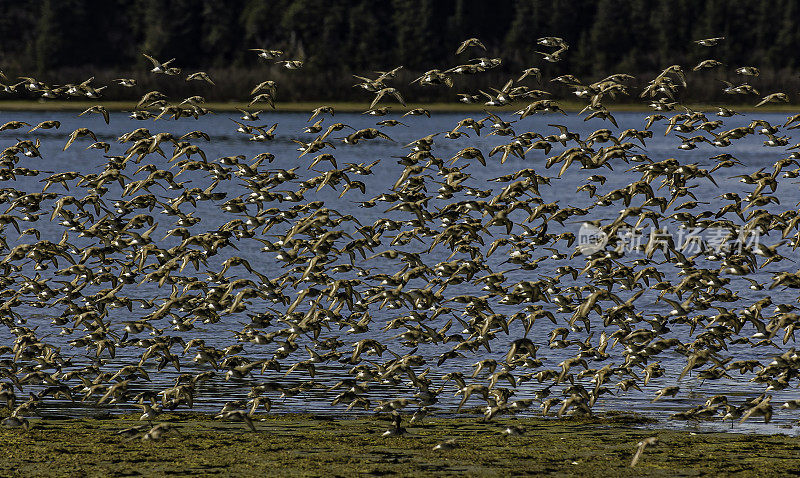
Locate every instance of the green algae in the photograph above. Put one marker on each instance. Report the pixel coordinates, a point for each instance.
(312, 446)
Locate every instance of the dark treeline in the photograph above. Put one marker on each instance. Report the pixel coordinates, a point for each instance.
(67, 40)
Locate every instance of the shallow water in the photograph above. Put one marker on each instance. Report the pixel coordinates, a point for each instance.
(226, 142)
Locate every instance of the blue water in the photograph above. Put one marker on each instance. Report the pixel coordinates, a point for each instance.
(225, 141)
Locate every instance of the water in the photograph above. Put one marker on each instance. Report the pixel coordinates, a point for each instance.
(212, 394)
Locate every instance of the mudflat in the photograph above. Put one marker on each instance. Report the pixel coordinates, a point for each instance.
(307, 445)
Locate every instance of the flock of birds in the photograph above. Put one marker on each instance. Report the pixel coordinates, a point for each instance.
(311, 306)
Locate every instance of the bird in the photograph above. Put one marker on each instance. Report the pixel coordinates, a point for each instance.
(158, 432)
(552, 57)
(709, 42)
(248, 115)
(79, 133)
(448, 444)
(387, 91)
(238, 415)
(666, 392)
(262, 277)
(650, 441)
(201, 76)
(533, 72)
(97, 109)
(47, 124)
(396, 429)
(773, 98)
(13, 125)
(159, 67)
(468, 43)
(126, 82)
(292, 64)
(321, 110)
(707, 65)
(748, 71)
(267, 54)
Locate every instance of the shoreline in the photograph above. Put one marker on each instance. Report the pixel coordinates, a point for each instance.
(302, 444)
(358, 107)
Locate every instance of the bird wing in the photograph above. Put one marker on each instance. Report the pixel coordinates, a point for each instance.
(153, 60)
(71, 140)
(396, 94)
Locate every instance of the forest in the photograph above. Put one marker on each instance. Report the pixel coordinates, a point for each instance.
(63, 41)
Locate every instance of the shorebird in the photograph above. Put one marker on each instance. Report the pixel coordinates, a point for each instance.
(468, 43)
(773, 98)
(387, 91)
(158, 67)
(126, 82)
(640, 449)
(201, 76)
(238, 415)
(268, 54)
(393, 294)
(714, 41)
(96, 109)
(396, 429)
(158, 432)
(13, 125)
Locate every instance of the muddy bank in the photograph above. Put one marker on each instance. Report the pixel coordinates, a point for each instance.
(308, 445)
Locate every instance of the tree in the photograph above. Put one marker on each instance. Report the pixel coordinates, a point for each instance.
(413, 25)
(221, 35)
(370, 37)
(173, 29)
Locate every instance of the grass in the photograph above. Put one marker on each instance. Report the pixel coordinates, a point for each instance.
(357, 107)
(304, 445)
